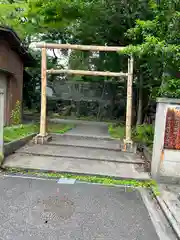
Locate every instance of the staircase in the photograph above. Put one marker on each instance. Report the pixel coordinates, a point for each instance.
(87, 149)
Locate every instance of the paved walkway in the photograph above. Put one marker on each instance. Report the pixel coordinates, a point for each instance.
(44, 210)
(86, 128)
(169, 200)
(86, 149)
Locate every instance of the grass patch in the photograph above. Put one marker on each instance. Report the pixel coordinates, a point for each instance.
(116, 131)
(143, 134)
(19, 131)
(59, 127)
(16, 132)
(86, 178)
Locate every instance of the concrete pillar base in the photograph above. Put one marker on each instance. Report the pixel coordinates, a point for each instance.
(128, 146)
(38, 139)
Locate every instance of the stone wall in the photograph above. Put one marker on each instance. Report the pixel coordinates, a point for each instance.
(98, 99)
(83, 91)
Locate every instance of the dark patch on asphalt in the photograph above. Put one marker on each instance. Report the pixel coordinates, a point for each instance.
(54, 209)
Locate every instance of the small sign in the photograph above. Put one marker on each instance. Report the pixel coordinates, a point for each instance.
(66, 181)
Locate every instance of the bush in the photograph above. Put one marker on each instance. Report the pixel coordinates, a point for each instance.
(16, 114)
(117, 131)
(144, 134)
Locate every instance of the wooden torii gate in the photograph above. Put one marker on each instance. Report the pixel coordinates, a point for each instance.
(43, 135)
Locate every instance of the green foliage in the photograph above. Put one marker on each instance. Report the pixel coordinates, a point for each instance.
(99, 25)
(16, 114)
(1, 158)
(144, 134)
(170, 88)
(149, 27)
(117, 131)
(32, 85)
(17, 132)
(59, 128)
(91, 179)
(32, 17)
(156, 43)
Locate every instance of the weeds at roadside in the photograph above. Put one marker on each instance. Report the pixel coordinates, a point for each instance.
(150, 184)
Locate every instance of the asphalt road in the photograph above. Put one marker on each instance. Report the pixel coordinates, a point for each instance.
(44, 209)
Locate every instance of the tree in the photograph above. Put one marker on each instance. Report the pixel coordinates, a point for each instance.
(31, 95)
(34, 17)
(37, 20)
(150, 27)
(157, 47)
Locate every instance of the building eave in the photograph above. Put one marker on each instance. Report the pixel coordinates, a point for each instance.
(16, 45)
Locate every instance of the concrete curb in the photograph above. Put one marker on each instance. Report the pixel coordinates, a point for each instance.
(169, 216)
(147, 153)
(11, 147)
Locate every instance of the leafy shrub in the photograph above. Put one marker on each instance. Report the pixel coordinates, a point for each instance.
(16, 114)
(117, 130)
(144, 134)
(170, 88)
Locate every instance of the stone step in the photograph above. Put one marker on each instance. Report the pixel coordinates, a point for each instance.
(79, 152)
(59, 140)
(80, 166)
(86, 136)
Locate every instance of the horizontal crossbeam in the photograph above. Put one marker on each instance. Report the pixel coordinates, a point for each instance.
(80, 47)
(87, 73)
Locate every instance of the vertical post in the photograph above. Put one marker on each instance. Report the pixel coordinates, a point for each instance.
(1, 126)
(43, 93)
(129, 100)
(158, 143)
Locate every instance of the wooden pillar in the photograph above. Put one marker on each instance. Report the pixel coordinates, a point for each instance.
(43, 94)
(43, 136)
(129, 101)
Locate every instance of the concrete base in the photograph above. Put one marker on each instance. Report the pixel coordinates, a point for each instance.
(128, 146)
(38, 139)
